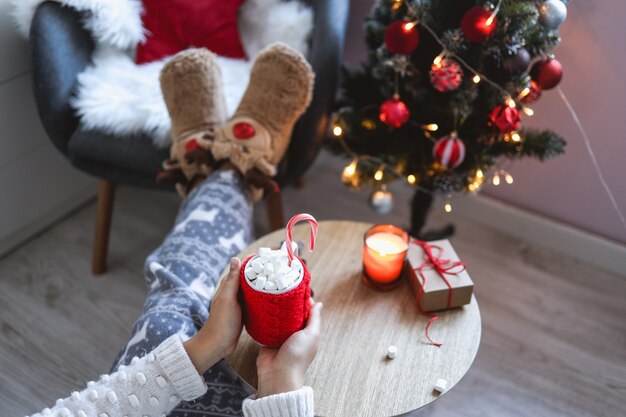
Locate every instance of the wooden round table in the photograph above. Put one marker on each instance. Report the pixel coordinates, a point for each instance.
(351, 375)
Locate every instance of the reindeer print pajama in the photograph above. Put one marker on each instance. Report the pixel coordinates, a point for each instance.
(213, 225)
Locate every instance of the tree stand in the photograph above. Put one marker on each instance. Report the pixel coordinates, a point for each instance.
(421, 206)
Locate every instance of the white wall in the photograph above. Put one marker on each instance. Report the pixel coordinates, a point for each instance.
(37, 185)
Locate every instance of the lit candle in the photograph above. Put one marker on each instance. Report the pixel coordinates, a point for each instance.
(384, 250)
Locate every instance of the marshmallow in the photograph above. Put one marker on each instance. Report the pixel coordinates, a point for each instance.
(260, 281)
(293, 275)
(257, 265)
(392, 351)
(250, 274)
(282, 282)
(265, 252)
(282, 268)
(268, 269)
(441, 385)
(294, 246)
(270, 286)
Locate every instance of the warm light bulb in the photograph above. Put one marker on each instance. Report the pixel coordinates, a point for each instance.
(510, 102)
(479, 173)
(515, 137)
(409, 25)
(438, 59)
(447, 207)
(397, 4)
(378, 175)
(368, 124)
(508, 178)
(476, 78)
(490, 20)
(411, 179)
(337, 130)
(524, 92)
(433, 127)
(496, 179)
(350, 169)
(528, 111)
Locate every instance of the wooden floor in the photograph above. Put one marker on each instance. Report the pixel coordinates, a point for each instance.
(554, 329)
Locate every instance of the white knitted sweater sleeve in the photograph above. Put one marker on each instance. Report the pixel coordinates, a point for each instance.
(288, 404)
(156, 383)
(152, 385)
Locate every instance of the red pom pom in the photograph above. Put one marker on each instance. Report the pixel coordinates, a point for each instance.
(534, 94)
(478, 25)
(401, 37)
(243, 130)
(547, 73)
(449, 151)
(446, 75)
(505, 118)
(192, 145)
(394, 112)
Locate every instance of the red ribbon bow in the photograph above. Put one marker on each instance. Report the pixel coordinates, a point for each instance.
(443, 267)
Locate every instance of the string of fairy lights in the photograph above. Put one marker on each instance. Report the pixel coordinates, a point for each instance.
(495, 175)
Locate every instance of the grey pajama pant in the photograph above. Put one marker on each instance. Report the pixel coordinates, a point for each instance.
(212, 226)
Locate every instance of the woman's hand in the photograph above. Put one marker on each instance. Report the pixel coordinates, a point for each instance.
(220, 334)
(283, 369)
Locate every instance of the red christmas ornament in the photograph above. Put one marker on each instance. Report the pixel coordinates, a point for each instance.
(547, 73)
(446, 75)
(478, 24)
(401, 37)
(505, 118)
(449, 151)
(394, 112)
(533, 95)
(243, 130)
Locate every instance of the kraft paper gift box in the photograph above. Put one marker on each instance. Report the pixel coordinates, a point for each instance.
(435, 294)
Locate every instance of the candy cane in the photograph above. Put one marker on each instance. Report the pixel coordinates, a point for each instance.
(289, 232)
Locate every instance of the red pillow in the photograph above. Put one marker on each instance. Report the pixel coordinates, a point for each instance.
(175, 25)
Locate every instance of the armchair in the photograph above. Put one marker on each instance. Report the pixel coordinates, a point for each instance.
(61, 48)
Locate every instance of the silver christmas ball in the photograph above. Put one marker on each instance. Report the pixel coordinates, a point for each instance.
(381, 201)
(552, 14)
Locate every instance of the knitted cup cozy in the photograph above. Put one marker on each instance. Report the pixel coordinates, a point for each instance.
(271, 318)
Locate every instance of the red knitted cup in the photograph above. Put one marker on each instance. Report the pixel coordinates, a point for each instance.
(271, 317)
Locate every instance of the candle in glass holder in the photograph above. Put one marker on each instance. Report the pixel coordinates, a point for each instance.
(384, 251)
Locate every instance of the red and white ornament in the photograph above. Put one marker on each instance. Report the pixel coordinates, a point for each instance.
(446, 75)
(402, 37)
(505, 118)
(394, 112)
(547, 73)
(449, 151)
(478, 24)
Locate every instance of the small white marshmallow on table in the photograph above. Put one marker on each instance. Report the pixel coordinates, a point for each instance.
(270, 270)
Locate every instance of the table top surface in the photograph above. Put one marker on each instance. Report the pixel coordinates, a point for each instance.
(351, 375)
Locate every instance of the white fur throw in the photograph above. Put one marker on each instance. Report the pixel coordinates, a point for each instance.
(115, 95)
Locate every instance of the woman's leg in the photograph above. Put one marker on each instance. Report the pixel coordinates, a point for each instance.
(213, 225)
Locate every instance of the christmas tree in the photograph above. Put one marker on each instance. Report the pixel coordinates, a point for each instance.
(439, 102)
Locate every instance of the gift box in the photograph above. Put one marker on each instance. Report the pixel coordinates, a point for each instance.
(437, 276)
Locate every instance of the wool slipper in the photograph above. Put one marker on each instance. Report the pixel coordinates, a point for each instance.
(191, 83)
(279, 91)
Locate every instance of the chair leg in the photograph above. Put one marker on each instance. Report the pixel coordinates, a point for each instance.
(106, 196)
(274, 205)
